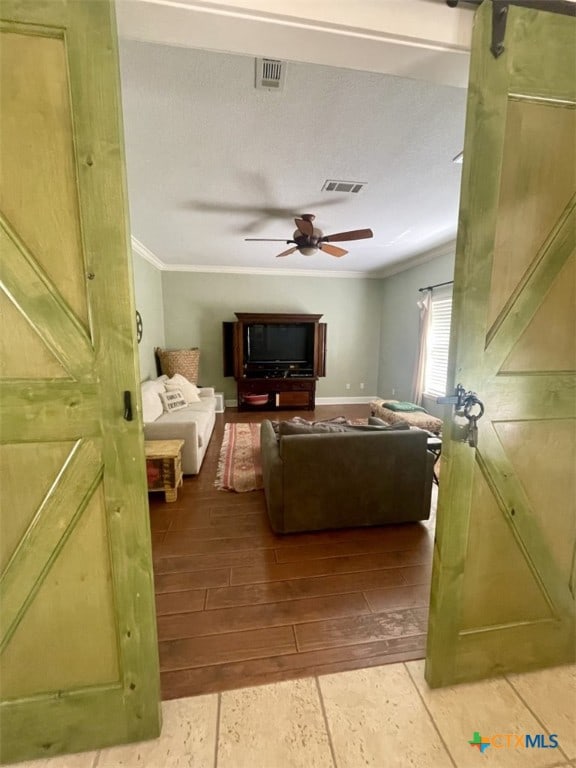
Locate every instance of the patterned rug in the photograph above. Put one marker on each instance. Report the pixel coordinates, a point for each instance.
(239, 467)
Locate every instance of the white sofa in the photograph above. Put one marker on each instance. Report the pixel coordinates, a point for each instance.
(193, 424)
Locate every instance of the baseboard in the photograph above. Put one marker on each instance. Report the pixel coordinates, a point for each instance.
(345, 400)
(364, 400)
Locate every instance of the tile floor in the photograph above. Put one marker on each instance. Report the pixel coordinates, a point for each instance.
(384, 717)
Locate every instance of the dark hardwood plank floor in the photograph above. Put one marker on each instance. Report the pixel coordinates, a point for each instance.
(238, 605)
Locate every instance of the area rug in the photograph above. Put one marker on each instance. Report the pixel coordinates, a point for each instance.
(239, 466)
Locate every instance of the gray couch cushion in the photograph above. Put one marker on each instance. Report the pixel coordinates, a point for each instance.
(319, 428)
(290, 428)
(383, 427)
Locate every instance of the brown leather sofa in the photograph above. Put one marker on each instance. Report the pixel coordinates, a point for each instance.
(315, 482)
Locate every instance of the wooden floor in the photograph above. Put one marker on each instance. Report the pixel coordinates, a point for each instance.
(239, 605)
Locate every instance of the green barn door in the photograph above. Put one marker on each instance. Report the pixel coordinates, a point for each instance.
(79, 664)
(504, 563)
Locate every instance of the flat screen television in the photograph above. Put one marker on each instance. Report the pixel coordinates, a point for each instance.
(274, 343)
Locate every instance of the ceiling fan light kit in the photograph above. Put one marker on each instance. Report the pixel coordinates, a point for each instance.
(308, 240)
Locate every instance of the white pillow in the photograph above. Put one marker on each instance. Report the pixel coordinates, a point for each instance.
(173, 400)
(179, 382)
(151, 403)
(157, 385)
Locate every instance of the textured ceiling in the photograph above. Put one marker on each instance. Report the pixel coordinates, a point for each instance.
(212, 160)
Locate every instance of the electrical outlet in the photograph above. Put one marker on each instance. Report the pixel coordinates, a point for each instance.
(361, 385)
(347, 386)
(393, 391)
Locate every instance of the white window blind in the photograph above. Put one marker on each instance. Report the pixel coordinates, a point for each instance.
(438, 342)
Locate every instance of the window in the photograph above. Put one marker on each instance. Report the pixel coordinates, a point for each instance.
(438, 342)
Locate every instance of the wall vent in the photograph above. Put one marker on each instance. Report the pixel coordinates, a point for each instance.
(270, 74)
(351, 187)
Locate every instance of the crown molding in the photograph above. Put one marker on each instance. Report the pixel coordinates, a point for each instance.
(147, 254)
(446, 249)
(267, 271)
(442, 250)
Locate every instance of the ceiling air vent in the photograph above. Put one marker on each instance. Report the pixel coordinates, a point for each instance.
(352, 187)
(270, 74)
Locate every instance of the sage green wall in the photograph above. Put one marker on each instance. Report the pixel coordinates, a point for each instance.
(400, 326)
(372, 324)
(196, 304)
(148, 295)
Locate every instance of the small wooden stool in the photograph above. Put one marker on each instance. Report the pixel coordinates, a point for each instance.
(164, 466)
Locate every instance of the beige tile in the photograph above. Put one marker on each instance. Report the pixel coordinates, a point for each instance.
(80, 760)
(563, 765)
(188, 739)
(490, 707)
(273, 726)
(376, 718)
(551, 694)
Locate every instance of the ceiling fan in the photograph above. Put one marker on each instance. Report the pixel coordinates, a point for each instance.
(308, 240)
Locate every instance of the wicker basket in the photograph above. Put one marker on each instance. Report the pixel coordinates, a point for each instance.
(182, 361)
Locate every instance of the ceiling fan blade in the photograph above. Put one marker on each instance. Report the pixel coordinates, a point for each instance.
(305, 227)
(286, 253)
(268, 240)
(354, 234)
(333, 250)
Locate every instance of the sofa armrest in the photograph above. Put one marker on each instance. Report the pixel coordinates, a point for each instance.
(272, 472)
(187, 431)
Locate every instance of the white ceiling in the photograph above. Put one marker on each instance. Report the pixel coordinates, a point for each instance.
(211, 160)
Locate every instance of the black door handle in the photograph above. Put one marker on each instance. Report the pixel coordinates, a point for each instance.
(128, 405)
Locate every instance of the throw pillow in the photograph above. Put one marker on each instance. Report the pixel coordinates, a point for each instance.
(397, 406)
(318, 428)
(377, 421)
(181, 383)
(151, 403)
(290, 428)
(377, 427)
(325, 425)
(173, 400)
(374, 421)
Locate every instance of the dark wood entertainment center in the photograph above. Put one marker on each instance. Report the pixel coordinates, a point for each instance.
(275, 358)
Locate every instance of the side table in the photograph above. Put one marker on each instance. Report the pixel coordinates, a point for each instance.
(164, 466)
(434, 445)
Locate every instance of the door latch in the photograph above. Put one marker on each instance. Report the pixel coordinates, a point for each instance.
(456, 399)
(128, 406)
(468, 405)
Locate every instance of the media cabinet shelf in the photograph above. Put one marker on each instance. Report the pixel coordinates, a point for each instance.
(277, 355)
(282, 393)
